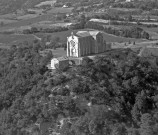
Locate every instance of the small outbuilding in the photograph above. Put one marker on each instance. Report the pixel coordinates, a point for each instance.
(60, 63)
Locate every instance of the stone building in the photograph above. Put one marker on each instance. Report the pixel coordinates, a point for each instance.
(85, 43)
(60, 63)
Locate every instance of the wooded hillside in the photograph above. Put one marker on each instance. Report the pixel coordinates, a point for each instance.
(112, 95)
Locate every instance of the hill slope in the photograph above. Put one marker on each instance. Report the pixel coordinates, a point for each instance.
(8, 6)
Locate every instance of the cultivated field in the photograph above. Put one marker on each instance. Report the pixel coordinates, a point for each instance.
(46, 3)
(153, 29)
(152, 17)
(153, 32)
(27, 22)
(31, 19)
(28, 16)
(50, 24)
(7, 21)
(124, 11)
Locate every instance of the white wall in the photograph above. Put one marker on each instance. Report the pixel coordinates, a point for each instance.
(72, 50)
(53, 62)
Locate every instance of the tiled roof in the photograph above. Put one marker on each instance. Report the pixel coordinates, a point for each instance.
(94, 33)
(83, 33)
(62, 58)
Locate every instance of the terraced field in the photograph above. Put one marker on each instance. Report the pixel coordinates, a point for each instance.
(26, 20)
(60, 10)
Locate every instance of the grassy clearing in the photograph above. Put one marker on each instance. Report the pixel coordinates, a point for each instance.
(152, 29)
(153, 35)
(59, 52)
(144, 17)
(45, 3)
(7, 21)
(28, 16)
(113, 38)
(10, 16)
(153, 32)
(10, 39)
(125, 9)
(60, 10)
(47, 17)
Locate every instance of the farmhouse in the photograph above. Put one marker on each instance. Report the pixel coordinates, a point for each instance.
(60, 62)
(85, 43)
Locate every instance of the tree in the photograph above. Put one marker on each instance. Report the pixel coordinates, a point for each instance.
(146, 125)
(26, 31)
(134, 43)
(55, 39)
(130, 18)
(119, 130)
(133, 131)
(34, 30)
(115, 94)
(148, 18)
(47, 58)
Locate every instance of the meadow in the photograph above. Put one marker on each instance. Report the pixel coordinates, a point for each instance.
(7, 21)
(152, 29)
(27, 22)
(153, 32)
(59, 52)
(125, 11)
(60, 10)
(8, 39)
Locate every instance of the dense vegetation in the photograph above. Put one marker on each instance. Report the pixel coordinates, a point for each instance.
(44, 30)
(21, 74)
(144, 5)
(110, 95)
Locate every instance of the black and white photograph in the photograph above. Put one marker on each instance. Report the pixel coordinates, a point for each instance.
(78, 67)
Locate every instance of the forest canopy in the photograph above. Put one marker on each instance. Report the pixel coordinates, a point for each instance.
(115, 94)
